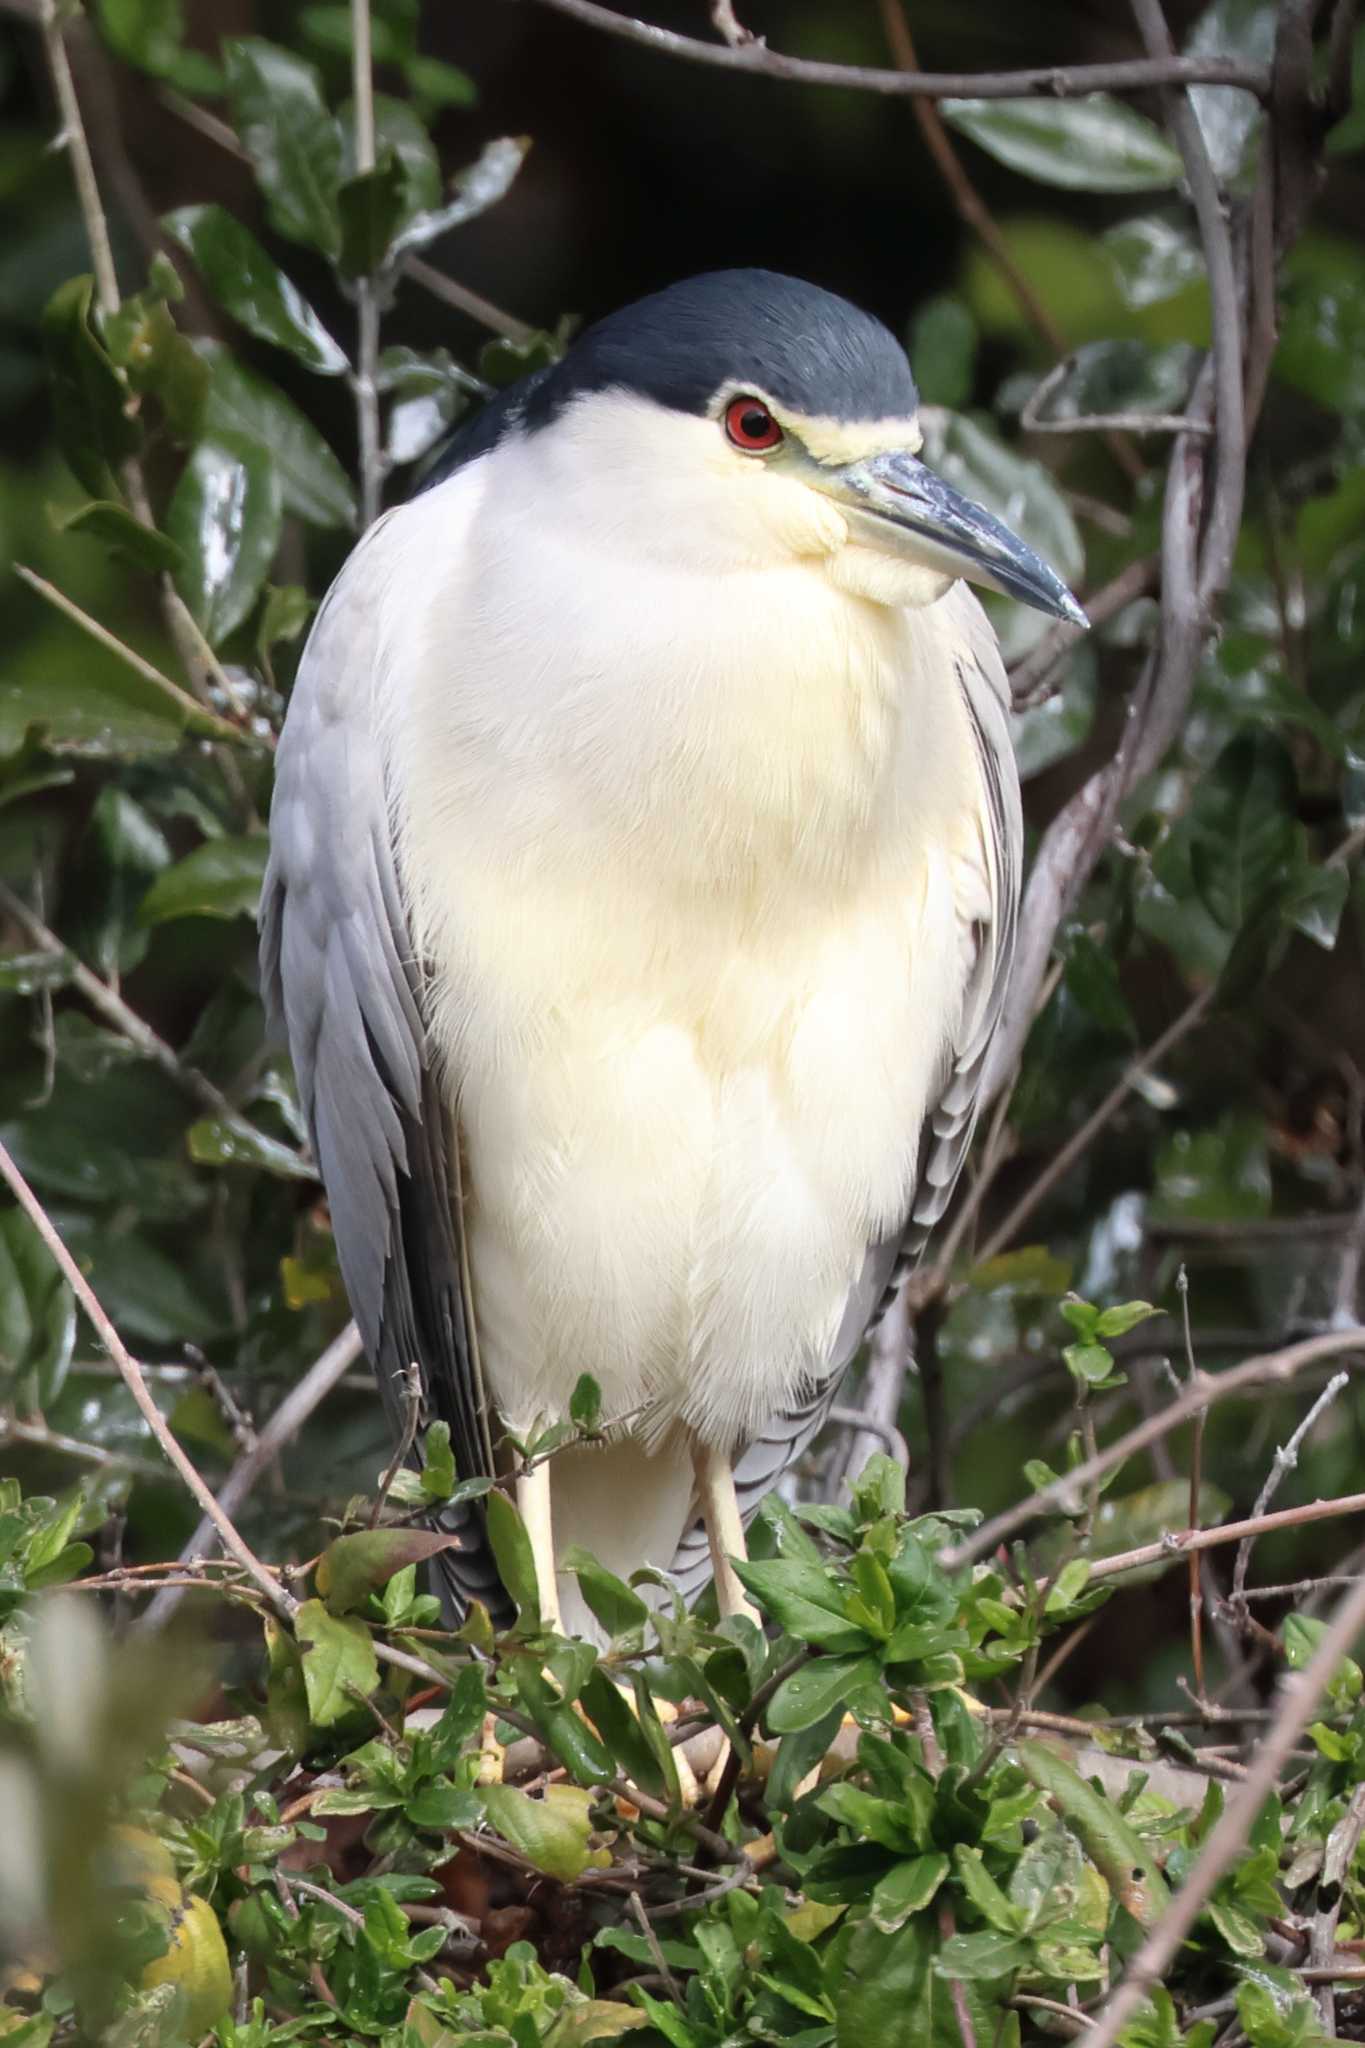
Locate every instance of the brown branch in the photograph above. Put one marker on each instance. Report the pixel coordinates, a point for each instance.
(1276, 1368)
(1229, 1836)
(1185, 1542)
(131, 1373)
(1338, 1856)
(1052, 81)
(283, 1426)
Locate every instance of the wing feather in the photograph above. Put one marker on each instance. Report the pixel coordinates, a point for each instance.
(340, 980)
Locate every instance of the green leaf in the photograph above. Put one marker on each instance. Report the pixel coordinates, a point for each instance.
(248, 284)
(943, 341)
(294, 143)
(150, 34)
(216, 1141)
(889, 1992)
(551, 1834)
(1123, 1317)
(1153, 259)
(1118, 1853)
(37, 1317)
(806, 1600)
(1313, 900)
(89, 397)
(352, 1567)
(623, 1735)
(513, 1555)
(338, 1662)
(1095, 144)
(616, 1605)
(481, 185)
(907, 1889)
(809, 1694)
(1229, 118)
(154, 355)
(984, 1893)
(1237, 1928)
(221, 878)
(585, 1404)
(1121, 376)
(371, 207)
(1221, 1174)
(1243, 828)
(225, 518)
(115, 527)
(984, 1954)
(242, 407)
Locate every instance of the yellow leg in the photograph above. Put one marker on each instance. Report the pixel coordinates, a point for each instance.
(724, 1529)
(533, 1501)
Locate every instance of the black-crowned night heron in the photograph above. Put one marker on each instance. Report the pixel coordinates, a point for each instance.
(645, 857)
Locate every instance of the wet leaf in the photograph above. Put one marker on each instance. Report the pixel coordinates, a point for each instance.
(225, 518)
(1095, 144)
(371, 207)
(242, 407)
(809, 1694)
(481, 185)
(294, 143)
(248, 284)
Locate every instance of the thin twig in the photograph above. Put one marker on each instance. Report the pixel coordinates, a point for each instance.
(412, 1416)
(1285, 1460)
(1182, 1281)
(1338, 1856)
(1275, 1368)
(652, 1942)
(40, 1438)
(73, 140)
(297, 1405)
(1052, 81)
(202, 718)
(365, 381)
(1031, 675)
(1180, 1542)
(1232, 1831)
(282, 1602)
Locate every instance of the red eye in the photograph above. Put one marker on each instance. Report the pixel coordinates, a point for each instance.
(751, 426)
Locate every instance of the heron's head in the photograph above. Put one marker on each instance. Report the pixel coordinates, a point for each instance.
(741, 419)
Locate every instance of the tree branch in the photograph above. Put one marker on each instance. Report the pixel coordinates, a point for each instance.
(1054, 81)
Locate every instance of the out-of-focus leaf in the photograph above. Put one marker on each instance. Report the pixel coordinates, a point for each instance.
(295, 144)
(1228, 117)
(115, 527)
(248, 284)
(1095, 144)
(1349, 133)
(371, 207)
(481, 185)
(150, 34)
(243, 407)
(87, 1049)
(338, 1662)
(89, 397)
(1218, 1174)
(1121, 376)
(1031, 1272)
(111, 715)
(285, 613)
(943, 350)
(225, 517)
(1322, 326)
(24, 974)
(37, 1317)
(1313, 901)
(1092, 976)
(120, 852)
(222, 878)
(1018, 490)
(399, 131)
(1153, 258)
(1243, 826)
(1050, 731)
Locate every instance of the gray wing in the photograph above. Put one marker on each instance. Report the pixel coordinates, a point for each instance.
(339, 978)
(948, 1128)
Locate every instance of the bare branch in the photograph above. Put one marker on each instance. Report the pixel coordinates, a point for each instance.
(285, 1424)
(131, 1373)
(1182, 1542)
(73, 141)
(1053, 81)
(1229, 1836)
(1276, 1368)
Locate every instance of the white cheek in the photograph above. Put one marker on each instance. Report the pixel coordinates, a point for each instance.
(884, 579)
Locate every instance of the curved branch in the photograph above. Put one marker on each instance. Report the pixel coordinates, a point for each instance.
(1049, 81)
